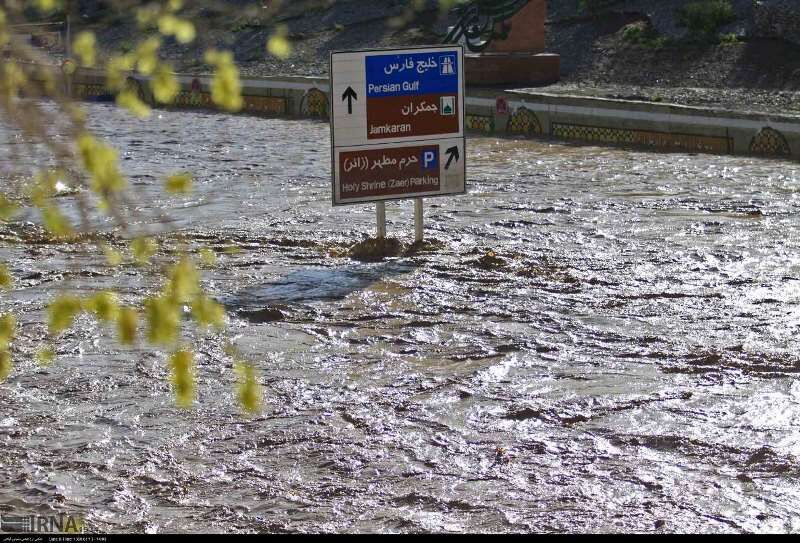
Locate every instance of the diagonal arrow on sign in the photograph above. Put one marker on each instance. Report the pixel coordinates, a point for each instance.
(454, 155)
(349, 95)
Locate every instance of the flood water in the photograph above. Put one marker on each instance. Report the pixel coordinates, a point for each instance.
(595, 339)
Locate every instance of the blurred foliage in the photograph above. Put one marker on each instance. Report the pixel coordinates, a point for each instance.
(641, 33)
(8, 328)
(278, 44)
(704, 17)
(179, 183)
(90, 167)
(182, 367)
(249, 389)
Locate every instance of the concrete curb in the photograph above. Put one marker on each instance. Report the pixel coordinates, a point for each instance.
(601, 121)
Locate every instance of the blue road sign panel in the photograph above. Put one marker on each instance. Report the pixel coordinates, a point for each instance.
(412, 74)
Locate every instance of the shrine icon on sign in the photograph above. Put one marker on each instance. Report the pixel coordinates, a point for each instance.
(447, 105)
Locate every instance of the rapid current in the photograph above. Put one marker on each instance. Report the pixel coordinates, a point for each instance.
(593, 339)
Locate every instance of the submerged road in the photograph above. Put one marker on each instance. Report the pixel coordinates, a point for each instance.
(595, 339)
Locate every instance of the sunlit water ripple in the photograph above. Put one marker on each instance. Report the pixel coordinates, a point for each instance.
(632, 352)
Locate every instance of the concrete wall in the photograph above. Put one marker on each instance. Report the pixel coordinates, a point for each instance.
(522, 113)
(621, 122)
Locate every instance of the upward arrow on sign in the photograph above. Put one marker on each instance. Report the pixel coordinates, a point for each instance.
(454, 155)
(349, 95)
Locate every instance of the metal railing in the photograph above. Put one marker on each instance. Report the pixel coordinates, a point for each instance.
(481, 21)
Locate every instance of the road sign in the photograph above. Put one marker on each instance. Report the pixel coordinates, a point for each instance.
(397, 124)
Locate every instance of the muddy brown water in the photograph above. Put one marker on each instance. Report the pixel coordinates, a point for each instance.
(625, 359)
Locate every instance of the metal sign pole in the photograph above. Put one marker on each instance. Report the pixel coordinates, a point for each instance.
(418, 224)
(381, 216)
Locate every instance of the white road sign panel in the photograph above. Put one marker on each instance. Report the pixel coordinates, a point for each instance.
(397, 124)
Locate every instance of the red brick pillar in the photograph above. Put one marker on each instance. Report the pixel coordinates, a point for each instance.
(527, 32)
(520, 58)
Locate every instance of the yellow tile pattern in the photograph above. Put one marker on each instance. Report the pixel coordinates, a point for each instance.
(646, 138)
(480, 123)
(769, 142)
(315, 104)
(90, 90)
(264, 104)
(192, 99)
(525, 122)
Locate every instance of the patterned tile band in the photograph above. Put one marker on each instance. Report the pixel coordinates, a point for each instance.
(624, 136)
(315, 104)
(524, 121)
(480, 123)
(770, 142)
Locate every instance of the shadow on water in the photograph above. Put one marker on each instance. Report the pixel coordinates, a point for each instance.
(314, 284)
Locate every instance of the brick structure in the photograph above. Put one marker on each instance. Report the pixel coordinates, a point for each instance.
(520, 58)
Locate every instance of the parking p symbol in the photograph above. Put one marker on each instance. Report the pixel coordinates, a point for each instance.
(430, 160)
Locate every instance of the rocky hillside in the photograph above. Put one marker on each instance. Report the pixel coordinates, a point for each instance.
(651, 49)
(662, 42)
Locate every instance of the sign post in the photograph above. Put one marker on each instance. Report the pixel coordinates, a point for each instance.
(380, 213)
(419, 227)
(397, 127)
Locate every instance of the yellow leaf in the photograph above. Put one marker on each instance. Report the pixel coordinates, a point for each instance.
(163, 320)
(84, 47)
(61, 313)
(127, 322)
(143, 250)
(100, 160)
(179, 183)
(76, 113)
(6, 279)
(226, 88)
(169, 25)
(249, 391)
(104, 306)
(164, 84)
(278, 45)
(117, 69)
(208, 257)
(147, 14)
(7, 208)
(184, 282)
(55, 222)
(43, 187)
(147, 55)
(45, 356)
(166, 24)
(185, 32)
(207, 312)
(182, 366)
(12, 78)
(113, 257)
(47, 5)
(8, 329)
(6, 365)
(129, 100)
